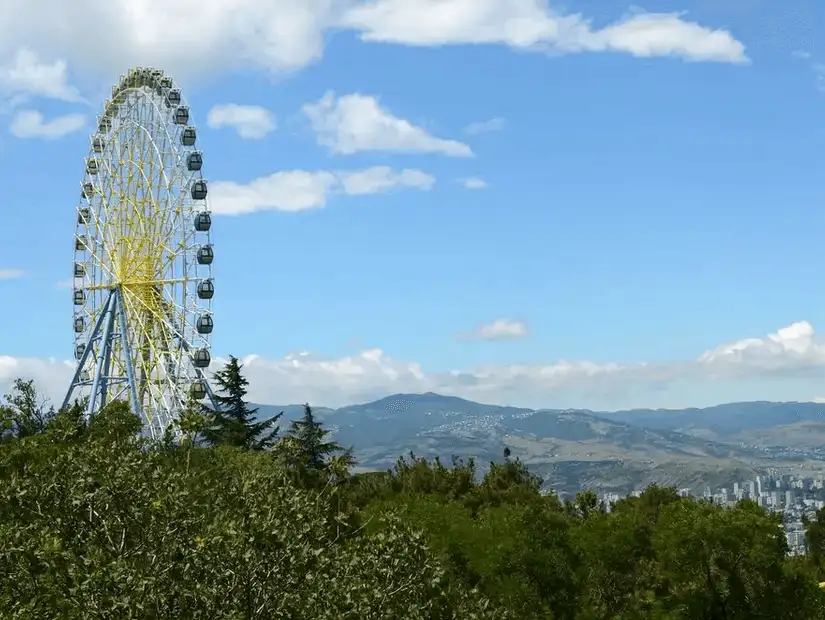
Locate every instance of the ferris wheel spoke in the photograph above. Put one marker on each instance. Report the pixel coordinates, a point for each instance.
(167, 182)
(83, 243)
(152, 355)
(155, 310)
(99, 263)
(159, 334)
(148, 244)
(98, 259)
(137, 340)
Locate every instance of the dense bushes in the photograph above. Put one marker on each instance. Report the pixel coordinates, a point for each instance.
(95, 524)
(657, 556)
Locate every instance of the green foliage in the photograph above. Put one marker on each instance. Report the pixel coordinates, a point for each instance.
(727, 563)
(654, 557)
(192, 422)
(307, 451)
(509, 482)
(103, 525)
(521, 558)
(815, 541)
(24, 412)
(233, 423)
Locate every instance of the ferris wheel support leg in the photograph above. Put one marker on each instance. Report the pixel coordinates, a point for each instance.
(127, 354)
(209, 393)
(107, 363)
(86, 353)
(99, 382)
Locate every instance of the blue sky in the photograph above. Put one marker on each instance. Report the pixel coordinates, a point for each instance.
(652, 191)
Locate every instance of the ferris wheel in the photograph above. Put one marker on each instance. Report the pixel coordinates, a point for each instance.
(143, 255)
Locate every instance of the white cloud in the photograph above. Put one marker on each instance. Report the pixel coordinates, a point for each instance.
(665, 34)
(184, 37)
(355, 123)
(11, 274)
(499, 329)
(530, 24)
(26, 76)
(494, 124)
(51, 375)
(291, 190)
(252, 122)
(192, 38)
(298, 190)
(473, 183)
(791, 349)
(792, 352)
(383, 178)
(31, 124)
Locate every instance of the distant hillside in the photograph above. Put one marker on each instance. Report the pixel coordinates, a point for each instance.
(801, 435)
(723, 421)
(575, 448)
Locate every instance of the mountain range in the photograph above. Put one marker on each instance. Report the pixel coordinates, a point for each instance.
(573, 449)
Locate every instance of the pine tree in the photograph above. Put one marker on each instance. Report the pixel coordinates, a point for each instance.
(234, 422)
(308, 437)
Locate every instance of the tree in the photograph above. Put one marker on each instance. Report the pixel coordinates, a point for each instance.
(514, 548)
(815, 540)
(716, 562)
(234, 422)
(310, 435)
(25, 412)
(585, 505)
(509, 482)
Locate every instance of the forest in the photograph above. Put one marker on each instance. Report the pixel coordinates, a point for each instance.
(231, 517)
